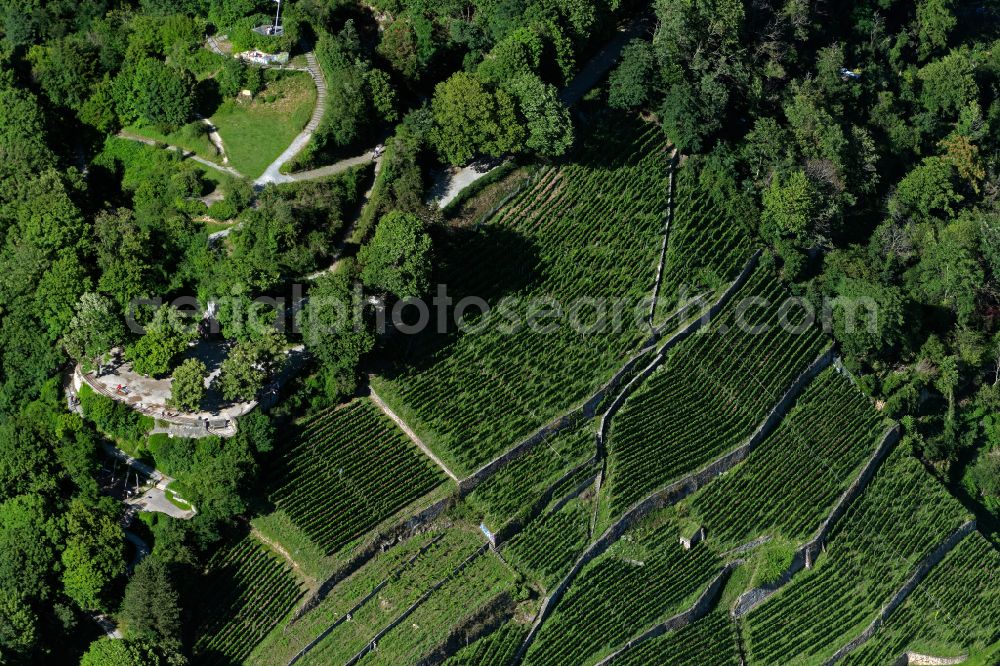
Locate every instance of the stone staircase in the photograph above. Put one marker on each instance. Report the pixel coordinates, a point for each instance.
(317, 74)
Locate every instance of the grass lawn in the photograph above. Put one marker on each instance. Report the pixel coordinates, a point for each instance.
(212, 227)
(191, 137)
(255, 133)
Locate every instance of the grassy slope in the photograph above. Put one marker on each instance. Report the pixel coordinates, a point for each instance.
(255, 134)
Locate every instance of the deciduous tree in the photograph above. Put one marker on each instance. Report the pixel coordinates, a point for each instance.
(471, 119)
(398, 257)
(187, 385)
(94, 329)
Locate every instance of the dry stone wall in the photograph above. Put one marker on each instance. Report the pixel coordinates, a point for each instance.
(805, 556)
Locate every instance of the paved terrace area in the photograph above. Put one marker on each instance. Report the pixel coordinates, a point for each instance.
(149, 396)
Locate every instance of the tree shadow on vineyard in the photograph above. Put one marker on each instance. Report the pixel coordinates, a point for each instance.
(489, 263)
(611, 143)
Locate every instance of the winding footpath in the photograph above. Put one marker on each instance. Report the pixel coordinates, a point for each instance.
(186, 154)
(273, 172)
(216, 139)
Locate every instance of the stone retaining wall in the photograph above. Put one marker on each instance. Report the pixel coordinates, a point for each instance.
(806, 554)
(673, 341)
(472, 628)
(574, 493)
(923, 568)
(416, 604)
(673, 494)
(466, 485)
(378, 543)
(698, 610)
(515, 525)
(666, 235)
(749, 545)
(917, 659)
(354, 609)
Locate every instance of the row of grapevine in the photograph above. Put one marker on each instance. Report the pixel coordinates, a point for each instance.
(405, 586)
(710, 640)
(290, 637)
(524, 479)
(548, 547)
(590, 229)
(711, 393)
(461, 598)
(902, 516)
(790, 481)
(642, 579)
(585, 230)
(954, 611)
(247, 590)
(348, 470)
(495, 649)
(703, 249)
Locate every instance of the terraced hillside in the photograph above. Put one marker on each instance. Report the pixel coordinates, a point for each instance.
(495, 649)
(703, 245)
(569, 583)
(483, 583)
(508, 493)
(800, 469)
(954, 612)
(247, 590)
(348, 470)
(710, 393)
(549, 545)
(711, 640)
(643, 578)
(591, 229)
(901, 518)
(407, 601)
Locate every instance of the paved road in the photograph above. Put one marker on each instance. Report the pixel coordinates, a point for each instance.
(332, 169)
(595, 69)
(154, 498)
(107, 625)
(273, 172)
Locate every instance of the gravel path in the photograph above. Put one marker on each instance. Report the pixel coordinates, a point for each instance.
(184, 153)
(273, 172)
(409, 433)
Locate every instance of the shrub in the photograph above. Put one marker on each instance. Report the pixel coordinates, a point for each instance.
(115, 419)
(222, 210)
